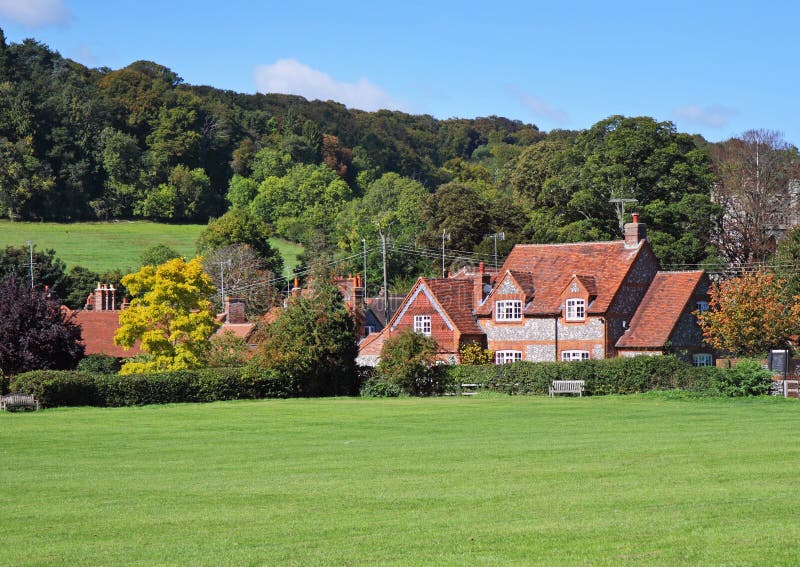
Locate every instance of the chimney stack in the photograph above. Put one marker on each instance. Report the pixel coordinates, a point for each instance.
(635, 232)
(234, 311)
(480, 281)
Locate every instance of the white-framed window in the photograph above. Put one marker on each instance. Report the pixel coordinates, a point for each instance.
(369, 329)
(573, 355)
(508, 310)
(702, 306)
(703, 359)
(422, 325)
(507, 356)
(576, 309)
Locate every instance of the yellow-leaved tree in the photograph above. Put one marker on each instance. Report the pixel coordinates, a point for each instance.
(170, 313)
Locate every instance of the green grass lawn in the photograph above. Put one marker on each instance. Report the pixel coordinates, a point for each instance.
(103, 246)
(464, 481)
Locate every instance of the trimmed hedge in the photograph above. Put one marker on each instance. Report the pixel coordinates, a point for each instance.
(611, 376)
(54, 388)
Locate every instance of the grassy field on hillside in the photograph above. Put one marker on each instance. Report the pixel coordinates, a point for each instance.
(478, 481)
(102, 246)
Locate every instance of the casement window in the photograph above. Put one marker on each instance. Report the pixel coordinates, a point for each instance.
(369, 329)
(422, 325)
(703, 359)
(507, 356)
(702, 306)
(573, 355)
(508, 310)
(576, 310)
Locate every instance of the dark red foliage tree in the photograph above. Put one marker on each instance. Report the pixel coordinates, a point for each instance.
(35, 333)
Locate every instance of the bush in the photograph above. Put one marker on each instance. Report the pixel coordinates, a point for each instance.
(747, 378)
(76, 388)
(99, 364)
(377, 388)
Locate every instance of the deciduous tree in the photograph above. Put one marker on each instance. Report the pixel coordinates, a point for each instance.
(170, 313)
(35, 333)
(748, 315)
(313, 343)
(754, 172)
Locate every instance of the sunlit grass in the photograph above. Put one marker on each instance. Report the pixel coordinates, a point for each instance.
(498, 480)
(103, 246)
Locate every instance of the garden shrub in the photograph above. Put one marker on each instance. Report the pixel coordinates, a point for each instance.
(99, 364)
(377, 388)
(747, 378)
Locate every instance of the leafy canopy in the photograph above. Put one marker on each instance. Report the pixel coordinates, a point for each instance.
(170, 314)
(35, 333)
(749, 315)
(313, 343)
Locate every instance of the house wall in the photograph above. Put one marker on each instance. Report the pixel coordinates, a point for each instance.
(687, 337)
(446, 338)
(535, 337)
(631, 292)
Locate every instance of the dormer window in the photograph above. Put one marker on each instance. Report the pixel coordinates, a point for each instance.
(422, 325)
(508, 310)
(702, 306)
(576, 310)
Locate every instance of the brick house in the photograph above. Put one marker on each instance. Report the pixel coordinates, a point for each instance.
(99, 321)
(560, 302)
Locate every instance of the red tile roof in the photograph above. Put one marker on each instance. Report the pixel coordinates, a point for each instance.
(97, 330)
(554, 265)
(239, 330)
(455, 296)
(525, 280)
(660, 310)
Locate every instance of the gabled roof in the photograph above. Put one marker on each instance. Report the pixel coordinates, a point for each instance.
(554, 266)
(455, 298)
(452, 298)
(662, 306)
(523, 281)
(588, 283)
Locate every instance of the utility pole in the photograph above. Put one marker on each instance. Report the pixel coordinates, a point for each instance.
(495, 237)
(445, 235)
(221, 284)
(364, 244)
(30, 246)
(385, 279)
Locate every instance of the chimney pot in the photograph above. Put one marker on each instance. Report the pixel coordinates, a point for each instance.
(635, 217)
(481, 267)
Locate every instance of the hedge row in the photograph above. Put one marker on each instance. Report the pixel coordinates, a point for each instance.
(55, 388)
(612, 376)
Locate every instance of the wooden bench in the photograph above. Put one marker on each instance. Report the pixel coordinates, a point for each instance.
(566, 387)
(18, 401)
(470, 389)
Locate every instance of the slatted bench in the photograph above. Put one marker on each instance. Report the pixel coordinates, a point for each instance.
(470, 389)
(18, 401)
(566, 387)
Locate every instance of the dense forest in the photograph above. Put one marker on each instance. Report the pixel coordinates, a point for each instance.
(82, 144)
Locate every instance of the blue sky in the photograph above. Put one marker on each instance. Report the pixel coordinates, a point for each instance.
(714, 68)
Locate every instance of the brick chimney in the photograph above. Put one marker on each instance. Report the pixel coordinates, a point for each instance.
(480, 280)
(635, 232)
(234, 311)
(105, 298)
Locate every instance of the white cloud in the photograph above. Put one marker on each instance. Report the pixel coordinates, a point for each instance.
(34, 13)
(712, 116)
(288, 76)
(539, 106)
